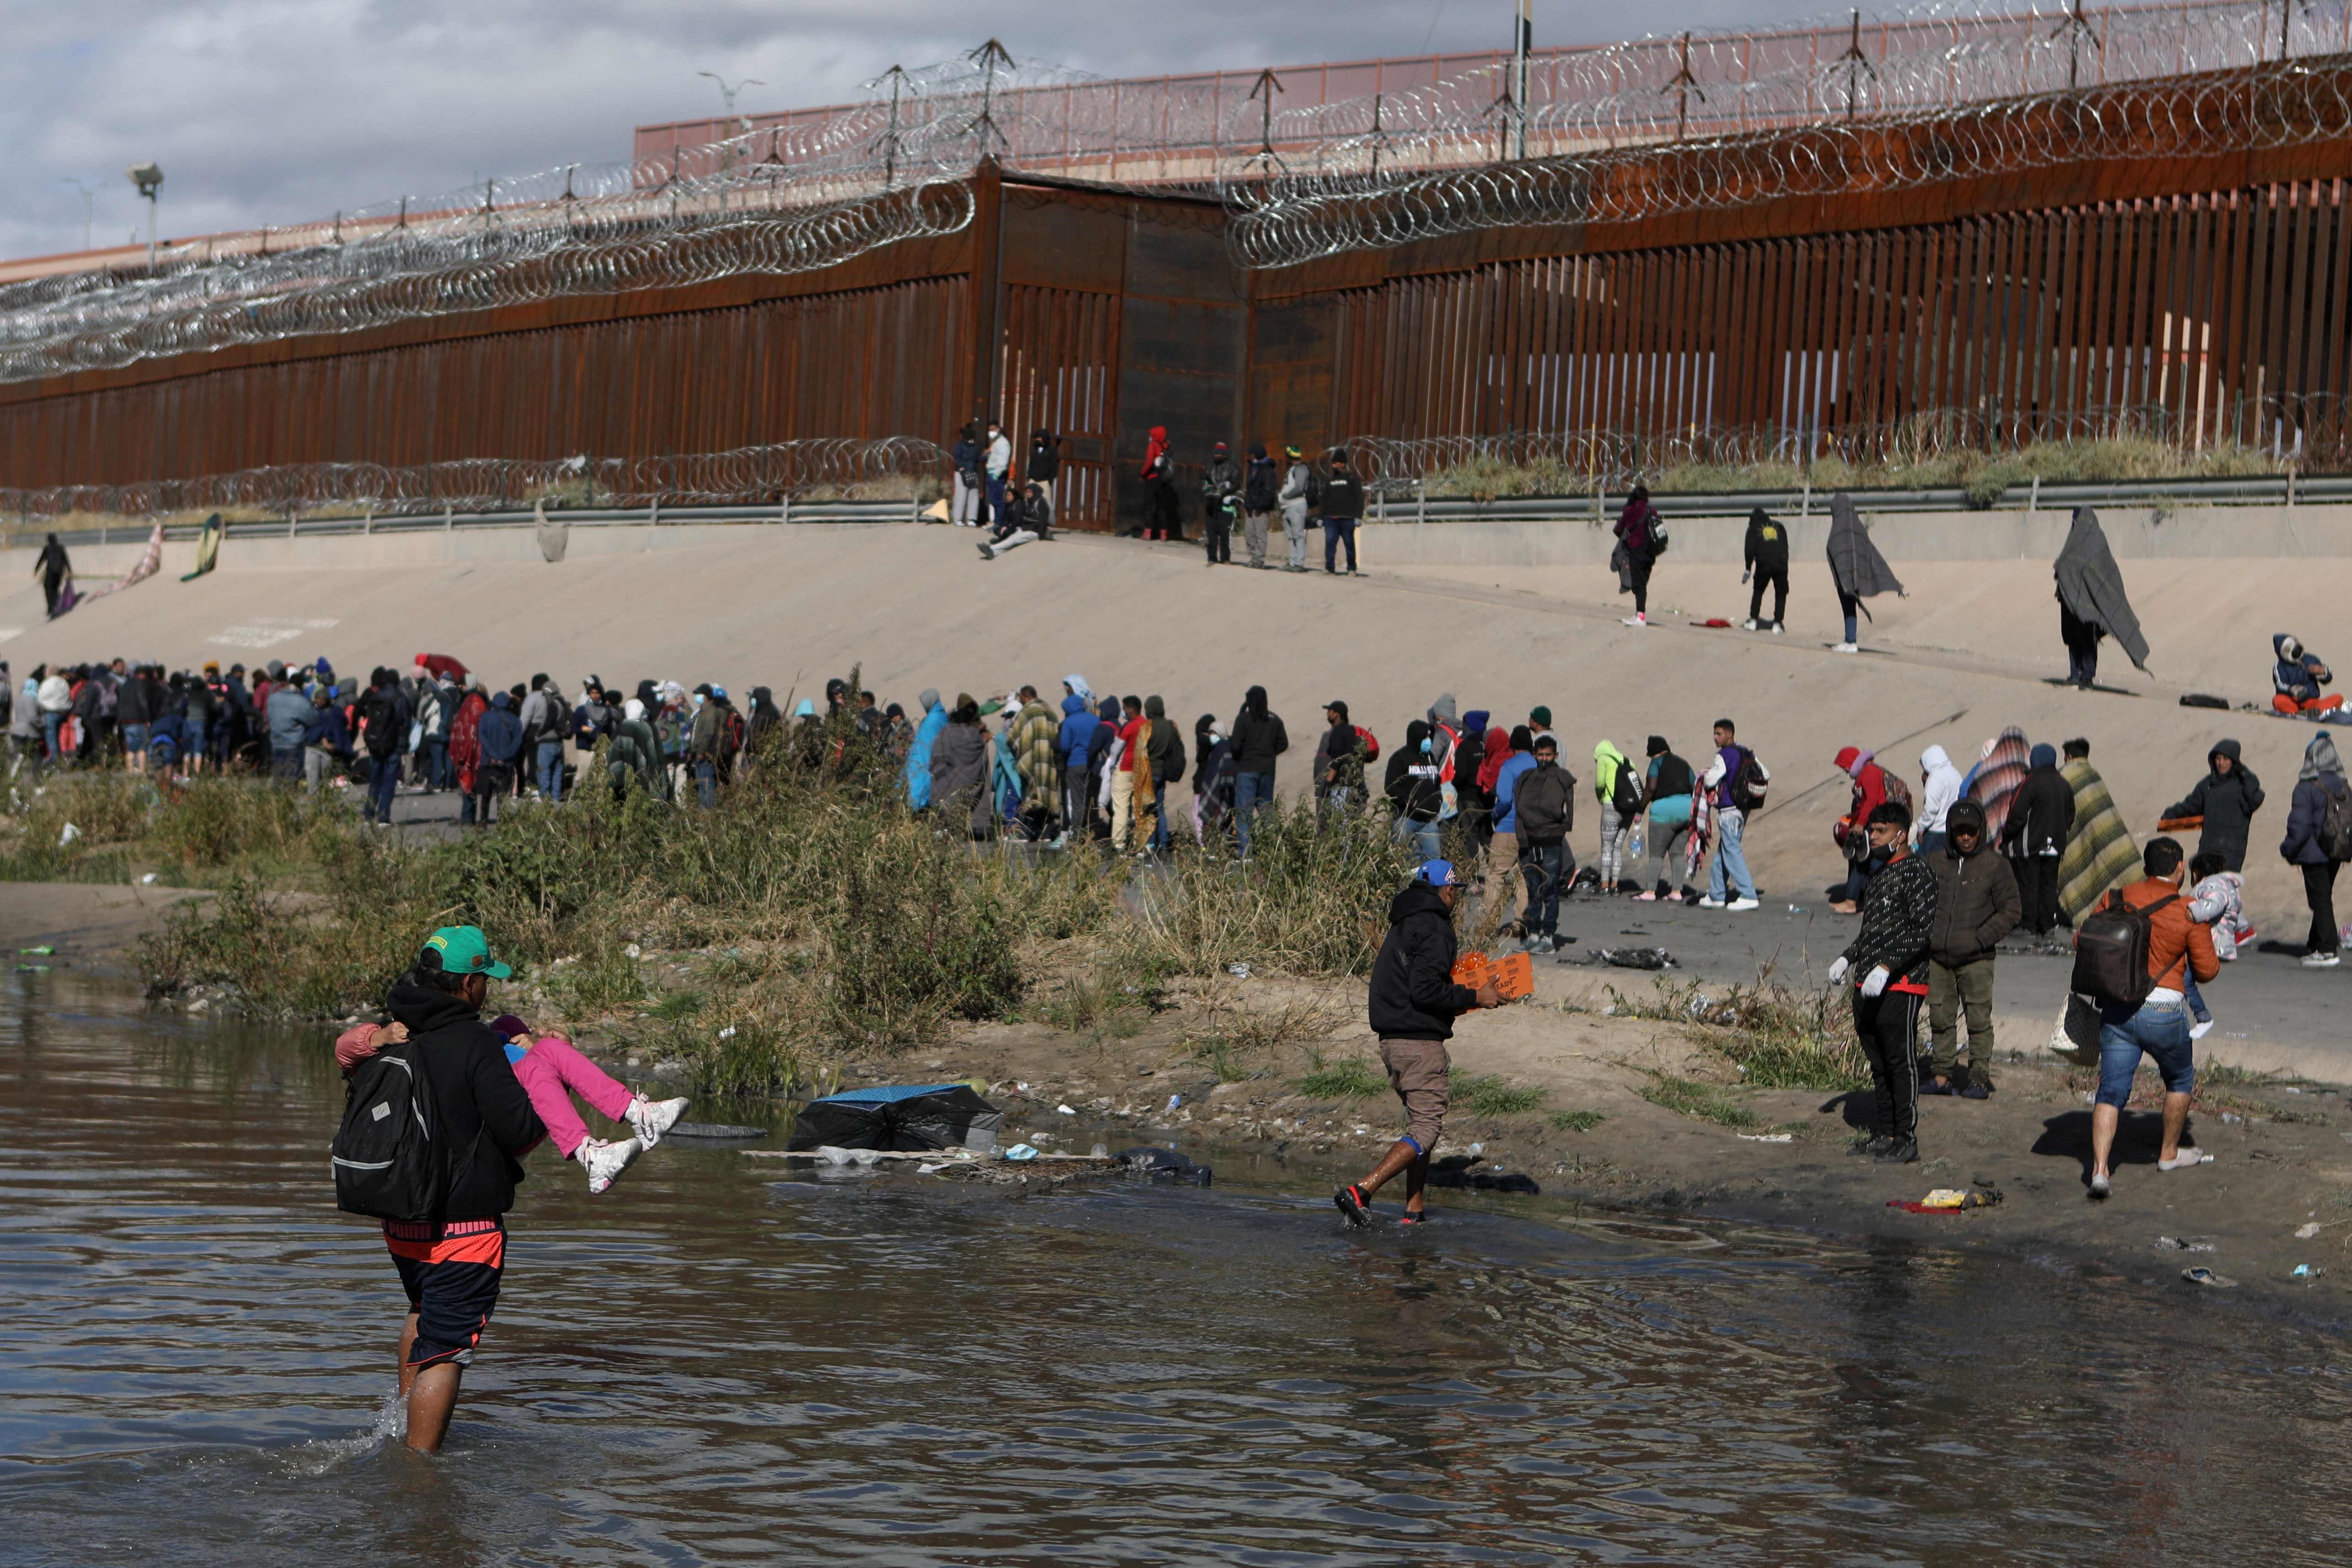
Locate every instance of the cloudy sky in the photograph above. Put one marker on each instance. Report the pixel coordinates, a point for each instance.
(280, 111)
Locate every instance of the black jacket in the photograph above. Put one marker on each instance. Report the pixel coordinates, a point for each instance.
(1414, 994)
(1898, 920)
(1977, 901)
(1411, 785)
(2040, 815)
(1343, 496)
(1045, 461)
(1258, 735)
(1338, 749)
(2228, 803)
(1768, 543)
(480, 1106)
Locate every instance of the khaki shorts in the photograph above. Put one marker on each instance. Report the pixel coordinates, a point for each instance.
(1417, 1072)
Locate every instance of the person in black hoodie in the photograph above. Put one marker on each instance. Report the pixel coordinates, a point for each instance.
(1258, 739)
(1414, 792)
(1043, 464)
(451, 1267)
(1767, 564)
(1415, 1002)
(2040, 820)
(2227, 798)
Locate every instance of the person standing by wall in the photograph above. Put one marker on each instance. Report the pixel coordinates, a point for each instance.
(1160, 517)
(964, 509)
(1343, 509)
(1221, 485)
(1300, 489)
(998, 461)
(1042, 466)
(1261, 494)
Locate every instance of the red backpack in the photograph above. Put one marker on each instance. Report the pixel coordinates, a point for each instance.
(1370, 743)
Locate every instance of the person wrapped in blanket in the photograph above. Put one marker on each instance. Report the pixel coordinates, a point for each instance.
(2297, 679)
(1887, 961)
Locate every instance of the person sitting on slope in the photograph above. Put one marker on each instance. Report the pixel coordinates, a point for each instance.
(2296, 678)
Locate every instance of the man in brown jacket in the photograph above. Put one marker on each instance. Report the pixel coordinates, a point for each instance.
(1977, 904)
(2177, 947)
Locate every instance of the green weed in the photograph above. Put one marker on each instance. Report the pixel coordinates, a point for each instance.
(1488, 1095)
(1349, 1078)
(1576, 1121)
(1688, 1097)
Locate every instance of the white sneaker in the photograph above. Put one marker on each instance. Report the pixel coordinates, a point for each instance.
(1635, 621)
(604, 1161)
(1738, 904)
(1845, 647)
(649, 1118)
(1712, 903)
(1778, 629)
(2321, 959)
(2199, 1031)
(1750, 625)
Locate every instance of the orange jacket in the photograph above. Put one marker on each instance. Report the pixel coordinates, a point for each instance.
(2175, 943)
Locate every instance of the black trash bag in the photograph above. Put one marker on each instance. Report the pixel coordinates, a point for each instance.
(898, 1116)
(1638, 957)
(1152, 1162)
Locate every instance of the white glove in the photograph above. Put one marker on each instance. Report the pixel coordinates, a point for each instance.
(1874, 982)
(1838, 969)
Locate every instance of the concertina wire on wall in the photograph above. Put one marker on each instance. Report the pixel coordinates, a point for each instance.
(1658, 124)
(825, 467)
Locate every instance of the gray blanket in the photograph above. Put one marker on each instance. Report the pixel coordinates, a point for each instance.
(2091, 584)
(1860, 570)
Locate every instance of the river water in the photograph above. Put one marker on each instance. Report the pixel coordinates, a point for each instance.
(712, 1364)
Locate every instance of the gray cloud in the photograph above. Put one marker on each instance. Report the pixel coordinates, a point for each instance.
(265, 111)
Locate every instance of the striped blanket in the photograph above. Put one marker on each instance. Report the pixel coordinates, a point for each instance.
(2001, 768)
(2100, 855)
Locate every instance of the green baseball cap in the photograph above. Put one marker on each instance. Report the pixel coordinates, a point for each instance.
(464, 950)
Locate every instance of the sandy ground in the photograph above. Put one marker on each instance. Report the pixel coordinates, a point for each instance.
(2281, 1157)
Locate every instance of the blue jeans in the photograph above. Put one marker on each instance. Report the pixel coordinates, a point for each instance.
(1336, 529)
(1422, 836)
(1249, 792)
(134, 740)
(1545, 866)
(550, 769)
(2161, 1029)
(195, 738)
(1847, 605)
(436, 765)
(1729, 872)
(50, 723)
(706, 783)
(383, 783)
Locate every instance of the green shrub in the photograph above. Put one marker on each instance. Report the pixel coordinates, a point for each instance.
(1349, 1078)
(1688, 1097)
(1488, 1095)
(1576, 1121)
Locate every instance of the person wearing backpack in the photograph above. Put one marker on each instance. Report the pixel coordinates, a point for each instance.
(1301, 488)
(2319, 840)
(1261, 494)
(385, 711)
(1736, 781)
(1641, 540)
(1872, 786)
(1614, 786)
(451, 1264)
(1338, 772)
(1888, 963)
(2156, 1023)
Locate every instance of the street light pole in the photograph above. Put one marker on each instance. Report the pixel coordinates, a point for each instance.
(727, 95)
(148, 178)
(88, 205)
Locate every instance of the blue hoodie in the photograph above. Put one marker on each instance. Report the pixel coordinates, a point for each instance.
(499, 730)
(919, 756)
(1077, 733)
(1506, 788)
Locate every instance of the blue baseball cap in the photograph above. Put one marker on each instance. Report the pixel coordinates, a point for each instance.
(1437, 874)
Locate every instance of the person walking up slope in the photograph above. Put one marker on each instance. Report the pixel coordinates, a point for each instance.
(1415, 1002)
(1641, 540)
(1888, 963)
(1857, 567)
(1767, 565)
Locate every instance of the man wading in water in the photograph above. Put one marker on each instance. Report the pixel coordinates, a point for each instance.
(1415, 1004)
(451, 1269)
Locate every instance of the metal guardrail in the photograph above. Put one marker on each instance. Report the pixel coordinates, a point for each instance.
(1398, 502)
(792, 512)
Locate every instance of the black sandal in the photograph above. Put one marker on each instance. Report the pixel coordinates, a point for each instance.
(1353, 1207)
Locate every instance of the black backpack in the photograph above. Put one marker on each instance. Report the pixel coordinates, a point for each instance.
(1747, 782)
(2111, 949)
(388, 1160)
(381, 713)
(2336, 825)
(1314, 488)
